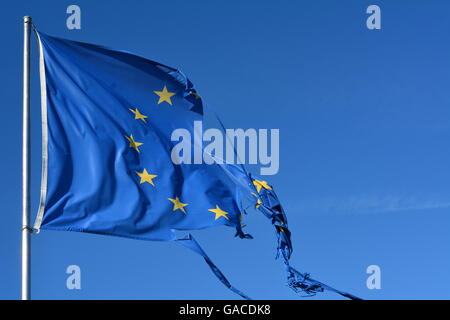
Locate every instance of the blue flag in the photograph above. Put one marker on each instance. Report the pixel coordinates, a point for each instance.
(109, 165)
(110, 116)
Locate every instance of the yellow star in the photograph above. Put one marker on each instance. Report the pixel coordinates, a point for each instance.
(219, 213)
(177, 204)
(261, 184)
(164, 95)
(281, 229)
(138, 115)
(133, 144)
(258, 202)
(146, 177)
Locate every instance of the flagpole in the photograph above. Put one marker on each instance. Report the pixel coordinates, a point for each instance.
(26, 161)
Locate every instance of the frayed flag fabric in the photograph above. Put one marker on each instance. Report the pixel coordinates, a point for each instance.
(108, 160)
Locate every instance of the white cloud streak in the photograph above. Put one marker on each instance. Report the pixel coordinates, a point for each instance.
(373, 204)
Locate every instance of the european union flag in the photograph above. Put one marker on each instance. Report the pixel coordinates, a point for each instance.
(108, 162)
(109, 119)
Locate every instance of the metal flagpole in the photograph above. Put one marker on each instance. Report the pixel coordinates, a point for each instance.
(26, 161)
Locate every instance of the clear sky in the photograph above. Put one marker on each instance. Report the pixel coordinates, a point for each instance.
(364, 126)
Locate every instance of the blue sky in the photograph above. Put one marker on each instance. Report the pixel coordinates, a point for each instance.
(363, 118)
